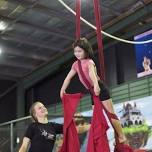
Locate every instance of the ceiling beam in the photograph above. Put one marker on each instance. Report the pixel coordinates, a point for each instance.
(54, 12)
(52, 31)
(129, 18)
(14, 63)
(45, 10)
(16, 72)
(29, 41)
(25, 53)
(111, 9)
(8, 77)
(55, 64)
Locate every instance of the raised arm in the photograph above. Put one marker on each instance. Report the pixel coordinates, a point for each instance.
(67, 81)
(25, 144)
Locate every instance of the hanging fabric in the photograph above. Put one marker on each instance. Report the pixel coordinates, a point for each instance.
(71, 139)
(99, 39)
(78, 23)
(97, 141)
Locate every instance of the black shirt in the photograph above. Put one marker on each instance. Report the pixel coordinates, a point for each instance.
(43, 136)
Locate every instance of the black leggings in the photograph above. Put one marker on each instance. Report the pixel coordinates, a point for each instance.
(104, 93)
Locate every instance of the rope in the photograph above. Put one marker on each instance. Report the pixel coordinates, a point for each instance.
(105, 33)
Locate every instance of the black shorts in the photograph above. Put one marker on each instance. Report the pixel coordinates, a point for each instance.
(104, 92)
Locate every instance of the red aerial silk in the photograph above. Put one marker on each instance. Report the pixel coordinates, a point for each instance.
(71, 139)
(140, 150)
(97, 141)
(78, 15)
(120, 147)
(99, 39)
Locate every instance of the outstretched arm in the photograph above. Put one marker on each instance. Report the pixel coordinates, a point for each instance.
(25, 144)
(67, 81)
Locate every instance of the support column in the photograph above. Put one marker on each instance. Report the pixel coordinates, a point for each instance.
(20, 110)
(19, 127)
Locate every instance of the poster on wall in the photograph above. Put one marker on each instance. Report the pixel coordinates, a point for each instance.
(135, 117)
(143, 54)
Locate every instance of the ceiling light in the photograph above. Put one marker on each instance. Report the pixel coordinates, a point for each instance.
(0, 51)
(3, 25)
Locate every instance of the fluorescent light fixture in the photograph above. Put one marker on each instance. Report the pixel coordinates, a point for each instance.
(0, 50)
(3, 25)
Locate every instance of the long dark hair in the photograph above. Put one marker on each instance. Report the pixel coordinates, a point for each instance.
(85, 45)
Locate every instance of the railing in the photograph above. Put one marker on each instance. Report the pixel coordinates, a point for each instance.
(133, 90)
(10, 133)
(125, 92)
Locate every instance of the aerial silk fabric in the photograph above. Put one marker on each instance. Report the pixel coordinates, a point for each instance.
(78, 15)
(97, 141)
(70, 135)
(97, 11)
(120, 147)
